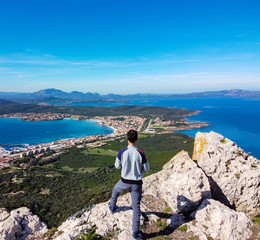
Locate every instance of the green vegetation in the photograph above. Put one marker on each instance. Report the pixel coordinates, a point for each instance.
(50, 232)
(223, 140)
(256, 220)
(161, 238)
(59, 187)
(183, 228)
(90, 111)
(162, 224)
(239, 154)
(167, 210)
(107, 152)
(90, 235)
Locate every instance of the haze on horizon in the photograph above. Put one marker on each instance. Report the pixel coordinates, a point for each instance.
(126, 47)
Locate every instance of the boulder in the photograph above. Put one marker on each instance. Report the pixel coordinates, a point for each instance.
(181, 184)
(20, 224)
(234, 175)
(118, 224)
(214, 219)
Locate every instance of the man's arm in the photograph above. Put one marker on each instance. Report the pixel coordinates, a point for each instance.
(145, 163)
(119, 157)
(146, 167)
(118, 163)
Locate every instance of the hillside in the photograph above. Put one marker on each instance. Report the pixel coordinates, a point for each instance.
(215, 196)
(145, 111)
(55, 188)
(6, 102)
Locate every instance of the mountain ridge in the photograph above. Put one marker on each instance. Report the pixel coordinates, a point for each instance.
(52, 94)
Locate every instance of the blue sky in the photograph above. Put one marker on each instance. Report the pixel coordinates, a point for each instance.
(129, 46)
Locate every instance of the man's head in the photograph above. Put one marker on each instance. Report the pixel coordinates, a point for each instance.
(132, 136)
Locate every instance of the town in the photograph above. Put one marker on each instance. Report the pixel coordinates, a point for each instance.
(120, 124)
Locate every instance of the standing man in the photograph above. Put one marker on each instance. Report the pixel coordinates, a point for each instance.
(133, 162)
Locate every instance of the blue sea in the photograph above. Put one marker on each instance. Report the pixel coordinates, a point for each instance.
(234, 118)
(14, 131)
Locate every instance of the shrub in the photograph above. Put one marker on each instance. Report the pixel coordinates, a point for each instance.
(90, 235)
(161, 224)
(183, 228)
(167, 210)
(256, 220)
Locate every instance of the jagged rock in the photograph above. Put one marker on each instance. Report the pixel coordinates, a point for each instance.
(20, 224)
(181, 184)
(118, 223)
(219, 222)
(234, 176)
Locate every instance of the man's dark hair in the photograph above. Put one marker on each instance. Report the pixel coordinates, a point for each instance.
(132, 136)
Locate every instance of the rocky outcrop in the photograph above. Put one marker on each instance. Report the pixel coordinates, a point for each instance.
(181, 184)
(234, 176)
(215, 220)
(178, 196)
(20, 224)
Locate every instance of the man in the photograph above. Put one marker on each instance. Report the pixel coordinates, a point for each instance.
(132, 162)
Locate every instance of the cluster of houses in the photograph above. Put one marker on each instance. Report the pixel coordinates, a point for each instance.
(120, 124)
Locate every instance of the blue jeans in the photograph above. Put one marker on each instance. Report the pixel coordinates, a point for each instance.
(136, 195)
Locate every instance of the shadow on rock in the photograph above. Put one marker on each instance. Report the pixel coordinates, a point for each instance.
(185, 208)
(123, 208)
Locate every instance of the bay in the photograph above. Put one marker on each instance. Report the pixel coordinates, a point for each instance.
(234, 118)
(15, 131)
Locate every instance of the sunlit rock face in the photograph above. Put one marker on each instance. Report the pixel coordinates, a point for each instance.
(214, 194)
(217, 221)
(181, 184)
(20, 224)
(234, 175)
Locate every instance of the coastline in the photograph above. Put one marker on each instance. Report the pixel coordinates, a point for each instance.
(118, 124)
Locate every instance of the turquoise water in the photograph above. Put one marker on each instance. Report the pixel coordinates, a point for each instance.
(235, 118)
(14, 131)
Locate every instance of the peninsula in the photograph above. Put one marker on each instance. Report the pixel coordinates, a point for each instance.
(120, 124)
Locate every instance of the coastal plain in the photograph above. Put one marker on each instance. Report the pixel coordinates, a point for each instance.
(77, 173)
(62, 185)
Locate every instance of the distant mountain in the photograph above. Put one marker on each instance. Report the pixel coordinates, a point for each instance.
(53, 95)
(6, 102)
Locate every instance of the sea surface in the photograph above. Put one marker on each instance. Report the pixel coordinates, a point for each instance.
(15, 131)
(235, 118)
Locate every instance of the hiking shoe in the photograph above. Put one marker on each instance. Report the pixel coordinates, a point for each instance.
(138, 235)
(111, 209)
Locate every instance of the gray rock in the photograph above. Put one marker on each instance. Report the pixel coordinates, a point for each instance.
(118, 223)
(234, 176)
(20, 224)
(181, 184)
(216, 220)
